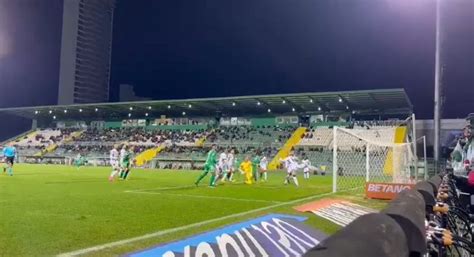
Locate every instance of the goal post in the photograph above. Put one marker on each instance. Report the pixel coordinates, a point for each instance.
(366, 155)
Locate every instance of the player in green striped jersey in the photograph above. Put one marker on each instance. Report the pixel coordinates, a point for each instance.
(209, 166)
(125, 161)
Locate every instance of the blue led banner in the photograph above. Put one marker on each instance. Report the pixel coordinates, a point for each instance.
(271, 235)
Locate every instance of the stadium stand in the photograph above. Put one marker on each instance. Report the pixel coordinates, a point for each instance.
(187, 148)
(249, 135)
(183, 130)
(317, 142)
(140, 136)
(374, 131)
(40, 140)
(96, 143)
(180, 147)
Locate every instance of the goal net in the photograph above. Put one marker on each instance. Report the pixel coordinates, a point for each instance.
(366, 155)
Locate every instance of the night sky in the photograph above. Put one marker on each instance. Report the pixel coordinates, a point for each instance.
(30, 42)
(182, 49)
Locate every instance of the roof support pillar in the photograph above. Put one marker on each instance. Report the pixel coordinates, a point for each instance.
(34, 124)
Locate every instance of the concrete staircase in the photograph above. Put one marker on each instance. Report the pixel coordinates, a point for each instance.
(148, 155)
(393, 159)
(51, 148)
(285, 150)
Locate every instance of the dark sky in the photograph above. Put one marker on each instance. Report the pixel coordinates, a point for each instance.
(182, 48)
(30, 41)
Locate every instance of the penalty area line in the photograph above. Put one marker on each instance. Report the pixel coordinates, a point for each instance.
(208, 197)
(185, 227)
(157, 189)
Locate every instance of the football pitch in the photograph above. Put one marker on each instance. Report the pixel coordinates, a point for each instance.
(48, 210)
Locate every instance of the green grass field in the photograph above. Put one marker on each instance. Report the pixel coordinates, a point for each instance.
(47, 210)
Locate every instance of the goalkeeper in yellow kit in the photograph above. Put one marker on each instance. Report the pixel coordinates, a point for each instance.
(246, 169)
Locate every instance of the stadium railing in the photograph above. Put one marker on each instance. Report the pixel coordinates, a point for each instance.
(435, 219)
(98, 142)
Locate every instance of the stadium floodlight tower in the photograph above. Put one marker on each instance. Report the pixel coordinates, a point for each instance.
(437, 88)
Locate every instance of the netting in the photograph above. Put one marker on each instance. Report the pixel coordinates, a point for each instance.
(361, 156)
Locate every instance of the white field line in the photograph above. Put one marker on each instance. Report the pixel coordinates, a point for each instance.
(279, 187)
(177, 229)
(184, 187)
(157, 189)
(206, 197)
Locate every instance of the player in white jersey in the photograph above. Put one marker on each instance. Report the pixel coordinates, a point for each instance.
(230, 165)
(114, 162)
(221, 166)
(123, 154)
(291, 165)
(263, 168)
(306, 166)
(222, 162)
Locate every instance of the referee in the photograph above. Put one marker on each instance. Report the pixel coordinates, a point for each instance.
(9, 152)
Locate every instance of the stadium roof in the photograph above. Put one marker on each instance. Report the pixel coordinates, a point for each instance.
(366, 102)
(470, 116)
